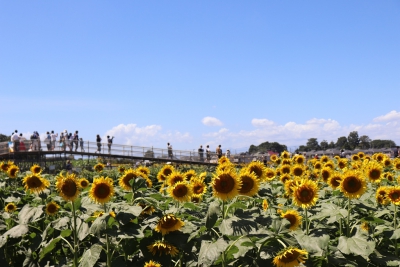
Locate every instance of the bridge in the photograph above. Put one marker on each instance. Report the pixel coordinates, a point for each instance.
(41, 152)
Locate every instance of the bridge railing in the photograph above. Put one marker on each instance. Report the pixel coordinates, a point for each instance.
(104, 149)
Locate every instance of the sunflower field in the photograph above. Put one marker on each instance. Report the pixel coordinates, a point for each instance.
(289, 212)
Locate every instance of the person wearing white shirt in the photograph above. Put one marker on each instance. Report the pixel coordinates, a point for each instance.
(53, 139)
(15, 140)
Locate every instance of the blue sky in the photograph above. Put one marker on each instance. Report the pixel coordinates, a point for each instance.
(233, 73)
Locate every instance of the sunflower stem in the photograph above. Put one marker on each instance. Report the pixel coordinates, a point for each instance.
(75, 236)
(395, 226)
(108, 252)
(348, 217)
(223, 209)
(307, 230)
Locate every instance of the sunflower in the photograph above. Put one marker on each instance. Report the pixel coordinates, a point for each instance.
(396, 164)
(143, 170)
(10, 207)
(285, 155)
(379, 157)
(342, 163)
(102, 190)
(98, 213)
(83, 183)
(164, 172)
(381, 195)
(297, 170)
(293, 217)
(198, 186)
(99, 167)
(318, 165)
(258, 168)
(300, 159)
(152, 264)
(121, 169)
(324, 159)
(290, 184)
(373, 171)
(365, 226)
(393, 194)
(273, 157)
(168, 223)
(387, 162)
(163, 247)
(190, 174)
(112, 214)
(203, 176)
(181, 191)
(224, 166)
(285, 169)
(269, 174)
(326, 173)
(265, 204)
(223, 160)
(305, 194)
(52, 208)
(329, 164)
(353, 184)
(36, 169)
(285, 177)
(195, 198)
(146, 210)
(389, 176)
(335, 179)
(290, 257)
(175, 177)
(250, 183)
(126, 177)
(35, 183)
(355, 157)
(225, 184)
(149, 183)
(68, 187)
(5, 165)
(286, 162)
(13, 171)
(336, 157)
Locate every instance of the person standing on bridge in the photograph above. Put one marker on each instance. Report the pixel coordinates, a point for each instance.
(109, 143)
(53, 140)
(170, 155)
(219, 151)
(75, 140)
(98, 140)
(15, 140)
(201, 153)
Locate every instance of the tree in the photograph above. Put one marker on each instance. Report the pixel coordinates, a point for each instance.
(312, 144)
(149, 154)
(382, 143)
(341, 143)
(353, 139)
(331, 144)
(4, 138)
(365, 142)
(324, 145)
(301, 149)
(267, 146)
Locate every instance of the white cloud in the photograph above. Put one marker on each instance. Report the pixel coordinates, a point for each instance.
(148, 136)
(392, 115)
(295, 134)
(211, 121)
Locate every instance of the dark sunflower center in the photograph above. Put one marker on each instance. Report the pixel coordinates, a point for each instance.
(352, 185)
(395, 196)
(305, 195)
(297, 171)
(224, 184)
(168, 223)
(34, 182)
(198, 189)
(291, 218)
(290, 256)
(69, 188)
(257, 171)
(325, 175)
(180, 191)
(52, 208)
(247, 185)
(335, 182)
(286, 170)
(102, 191)
(375, 174)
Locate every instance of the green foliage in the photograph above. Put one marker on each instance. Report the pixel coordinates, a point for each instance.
(267, 146)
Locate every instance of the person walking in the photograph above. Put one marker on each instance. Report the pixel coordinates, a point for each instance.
(201, 153)
(53, 140)
(170, 154)
(208, 153)
(219, 151)
(47, 141)
(81, 144)
(109, 143)
(76, 140)
(98, 140)
(15, 140)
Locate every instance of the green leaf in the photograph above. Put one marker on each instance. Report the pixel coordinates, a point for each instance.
(49, 247)
(90, 257)
(237, 227)
(280, 226)
(14, 232)
(314, 245)
(30, 214)
(212, 215)
(239, 249)
(98, 225)
(372, 219)
(356, 245)
(83, 229)
(210, 252)
(66, 233)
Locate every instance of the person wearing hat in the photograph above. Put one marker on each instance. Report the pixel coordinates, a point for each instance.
(109, 143)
